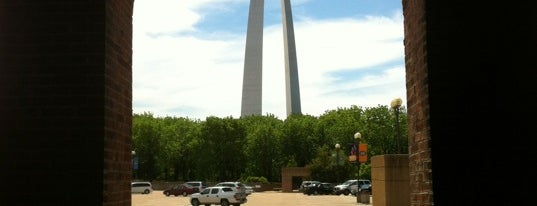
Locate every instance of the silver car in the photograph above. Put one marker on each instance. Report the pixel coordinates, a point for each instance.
(345, 187)
(361, 185)
(249, 189)
(141, 187)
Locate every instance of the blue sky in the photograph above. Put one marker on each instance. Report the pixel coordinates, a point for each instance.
(188, 56)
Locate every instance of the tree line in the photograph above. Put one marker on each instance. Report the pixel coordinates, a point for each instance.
(229, 149)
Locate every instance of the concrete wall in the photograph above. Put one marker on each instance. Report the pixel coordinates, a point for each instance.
(390, 180)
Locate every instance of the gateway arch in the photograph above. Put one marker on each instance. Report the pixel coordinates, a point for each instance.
(252, 79)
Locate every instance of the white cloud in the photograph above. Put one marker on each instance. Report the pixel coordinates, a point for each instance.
(183, 75)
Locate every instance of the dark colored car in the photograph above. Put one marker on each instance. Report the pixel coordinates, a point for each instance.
(181, 189)
(323, 188)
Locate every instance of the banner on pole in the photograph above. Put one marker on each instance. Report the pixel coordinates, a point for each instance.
(362, 153)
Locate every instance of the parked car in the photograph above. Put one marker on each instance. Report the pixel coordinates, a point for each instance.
(362, 185)
(141, 187)
(249, 189)
(306, 184)
(345, 187)
(236, 186)
(323, 188)
(198, 184)
(223, 196)
(181, 189)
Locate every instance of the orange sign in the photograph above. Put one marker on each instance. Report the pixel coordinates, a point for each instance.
(362, 153)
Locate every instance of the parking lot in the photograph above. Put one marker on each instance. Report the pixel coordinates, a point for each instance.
(270, 198)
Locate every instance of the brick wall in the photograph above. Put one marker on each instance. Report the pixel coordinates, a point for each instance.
(65, 93)
(118, 102)
(417, 102)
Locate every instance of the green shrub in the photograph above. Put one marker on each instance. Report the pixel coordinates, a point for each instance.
(251, 179)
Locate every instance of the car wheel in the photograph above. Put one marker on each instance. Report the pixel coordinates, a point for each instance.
(185, 194)
(224, 203)
(346, 192)
(315, 193)
(195, 202)
(146, 191)
(167, 194)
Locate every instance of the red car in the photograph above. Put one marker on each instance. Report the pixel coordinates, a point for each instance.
(182, 189)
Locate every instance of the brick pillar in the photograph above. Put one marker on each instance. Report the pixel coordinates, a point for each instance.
(287, 176)
(66, 98)
(421, 191)
(117, 103)
(470, 78)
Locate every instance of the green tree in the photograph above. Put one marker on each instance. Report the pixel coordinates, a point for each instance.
(339, 126)
(146, 144)
(299, 141)
(263, 147)
(180, 138)
(378, 131)
(221, 149)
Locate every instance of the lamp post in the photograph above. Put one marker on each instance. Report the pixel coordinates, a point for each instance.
(357, 137)
(134, 164)
(396, 104)
(337, 146)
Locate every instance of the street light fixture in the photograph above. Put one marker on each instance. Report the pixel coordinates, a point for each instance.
(396, 104)
(357, 137)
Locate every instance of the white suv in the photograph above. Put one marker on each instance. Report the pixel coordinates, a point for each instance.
(236, 186)
(141, 187)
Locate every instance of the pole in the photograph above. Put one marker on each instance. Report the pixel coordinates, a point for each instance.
(396, 104)
(398, 136)
(357, 137)
(337, 164)
(358, 164)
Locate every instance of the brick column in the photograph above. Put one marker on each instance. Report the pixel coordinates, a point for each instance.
(65, 93)
(287, 176)
(421, 191)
